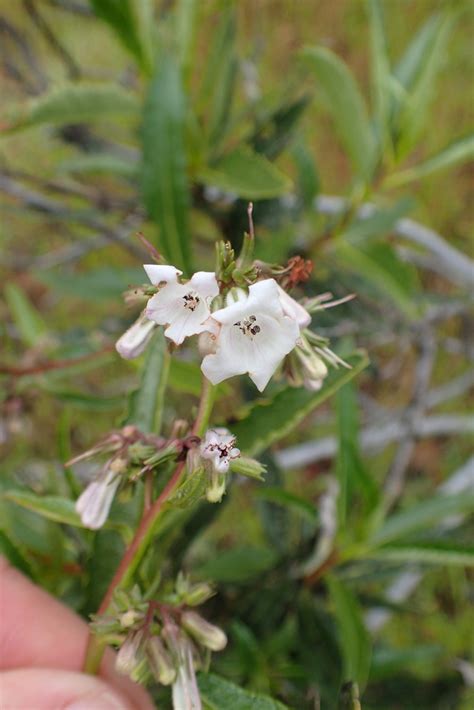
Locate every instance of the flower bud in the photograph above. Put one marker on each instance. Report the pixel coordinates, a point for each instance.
(216, 487)
(248, 467)
(160, 662)
(205, 633)
(134, 341)
(129, 618)
(198, 594)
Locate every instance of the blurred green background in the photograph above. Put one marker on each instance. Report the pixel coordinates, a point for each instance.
(166, 118)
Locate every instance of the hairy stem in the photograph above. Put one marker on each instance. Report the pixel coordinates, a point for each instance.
(137, 548)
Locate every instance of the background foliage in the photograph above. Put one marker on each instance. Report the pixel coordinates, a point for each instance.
(347, 124)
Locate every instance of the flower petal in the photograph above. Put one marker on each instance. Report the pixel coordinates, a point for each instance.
(157, 273)
(293, 309)
(205, 283)
(280, 339)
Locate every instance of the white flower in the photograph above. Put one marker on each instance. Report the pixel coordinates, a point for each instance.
(205, 633)
(293, 309)
(218, 447)
(183, 307)
(94, 503)
(134, 341)
(255, 336)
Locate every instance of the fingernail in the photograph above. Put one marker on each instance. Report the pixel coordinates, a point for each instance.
(99, 701)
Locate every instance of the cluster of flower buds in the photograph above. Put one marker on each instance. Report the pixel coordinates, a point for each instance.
(247, 320)
(165, 639)
(129, 454)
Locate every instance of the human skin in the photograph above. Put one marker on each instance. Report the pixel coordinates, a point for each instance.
(42, 645)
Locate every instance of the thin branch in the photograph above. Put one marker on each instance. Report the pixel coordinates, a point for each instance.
(376, 438)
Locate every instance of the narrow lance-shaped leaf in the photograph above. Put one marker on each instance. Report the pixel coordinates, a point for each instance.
(146, 403)
(422, 516)
(461, 151)
(14, 555)
(380, 65)
(29, 322)
(418, 78)
(61, 510)
(352, 474)
(380, 264)
(346, 105)
(247, 174)
(73, 103)
(269, 420)
(432, 553)
(353, 636)
(164, 180)
(218, 85)
(126, 19)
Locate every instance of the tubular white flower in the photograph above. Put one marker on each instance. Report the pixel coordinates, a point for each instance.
(94, 503)
(184, 308)
(293, 309)
(218, 447)
(255, 336)
(134, 341)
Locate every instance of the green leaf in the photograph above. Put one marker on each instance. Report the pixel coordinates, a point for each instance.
(422, 516)
(107, 551)
(186, 22)
(132, 21)
(165, 183)
(380, 264)
(30, 324)
(219, 79)
(381, 222)
(185, 377)
(100, 163)
(14, 555)
(270, 420)
(94, 285)
(73, 103)
(351, 472)
(380, 66)
(239, 564)
(147, 402)
(461, 151)
(82, 400)
(354, 639)
(434, 553)
(247, 174)
(295, 503)
(61, 510)
(417, 72)
(346, 105)
(307, 180)
(220, 694)
(277, 129)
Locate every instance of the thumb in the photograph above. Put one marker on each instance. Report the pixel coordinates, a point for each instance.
(50, 689)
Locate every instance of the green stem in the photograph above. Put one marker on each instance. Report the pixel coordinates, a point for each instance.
(144, 533)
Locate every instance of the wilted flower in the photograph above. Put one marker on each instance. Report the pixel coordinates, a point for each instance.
(131, 653)
(134, 341)
(254, 337)
(94, 503)
(184, 308)
(185, 690)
